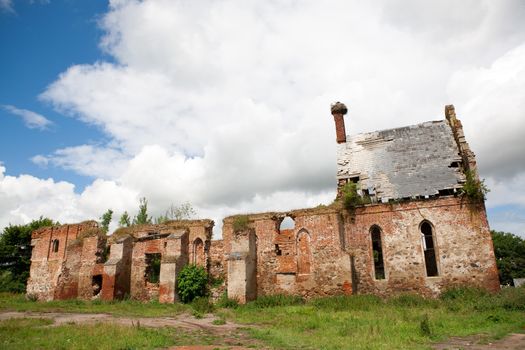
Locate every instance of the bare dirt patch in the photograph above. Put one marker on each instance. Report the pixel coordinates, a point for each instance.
(232, 336)
(511, 342)
(183, 321)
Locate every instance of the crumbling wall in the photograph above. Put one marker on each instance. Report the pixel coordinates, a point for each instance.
(174, 259)
(141, 289)
(117, 269)
(330, 250)
(217, 260)
(242, 261)
(309, 260)
(48, 257)
(175, 250)
(463, 245)
(91, 265)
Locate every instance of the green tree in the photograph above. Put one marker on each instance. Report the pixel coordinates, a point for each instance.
(142, 216)
(125, 220)
(510, 256)
(161, 219)
(181, 212)
(15, 254)
(105, 220)
(184, 211)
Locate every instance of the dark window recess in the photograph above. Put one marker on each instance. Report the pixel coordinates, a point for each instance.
(277, 250)
(446, 192)
(96, 284)
(152, 274)
(377, 251)
(103, 255)
(55, 245)
(428, 247)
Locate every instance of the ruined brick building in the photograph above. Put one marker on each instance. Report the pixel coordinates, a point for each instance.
(411, 228)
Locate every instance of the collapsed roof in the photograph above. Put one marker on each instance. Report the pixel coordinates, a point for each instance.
(410, 162)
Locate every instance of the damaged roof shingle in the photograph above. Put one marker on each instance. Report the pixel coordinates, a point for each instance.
(412, 161)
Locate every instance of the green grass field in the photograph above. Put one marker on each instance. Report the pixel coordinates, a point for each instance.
(368, 322)
(355, 322)
(18, 302)
(26, 333)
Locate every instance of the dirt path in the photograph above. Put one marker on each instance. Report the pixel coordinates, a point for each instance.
(510, 342)
(230, 334)
(182, 321)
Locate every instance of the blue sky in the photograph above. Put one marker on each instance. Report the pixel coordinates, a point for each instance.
(39, 41)
(224, 104)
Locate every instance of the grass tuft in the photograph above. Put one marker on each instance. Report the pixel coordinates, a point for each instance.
(275, 300)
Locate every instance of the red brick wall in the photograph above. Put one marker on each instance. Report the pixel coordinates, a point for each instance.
(47, 266)
(463, 246)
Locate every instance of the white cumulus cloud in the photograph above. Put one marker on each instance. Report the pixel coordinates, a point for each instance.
(226, 104)
(31, 119)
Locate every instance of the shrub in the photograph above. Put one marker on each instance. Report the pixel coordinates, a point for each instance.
(474, 189)
(191, 283)
(513, 298)
(351, 198)
(9, 283)
(240, 223)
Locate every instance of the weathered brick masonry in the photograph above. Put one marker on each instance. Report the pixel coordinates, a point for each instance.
(79, 261)
(417, 232)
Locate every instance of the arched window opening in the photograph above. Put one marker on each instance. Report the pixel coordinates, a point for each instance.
(303, 253)
(377, 253)
(55, 246)
(287, 224)
(284, 241)
(198, 252)
(152, 271)
(427, 238)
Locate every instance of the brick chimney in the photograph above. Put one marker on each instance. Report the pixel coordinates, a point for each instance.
(338, 111)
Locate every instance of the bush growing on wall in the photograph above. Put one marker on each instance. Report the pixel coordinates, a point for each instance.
(191, 283)
(240, 223)
(351, 198)
(473, 188)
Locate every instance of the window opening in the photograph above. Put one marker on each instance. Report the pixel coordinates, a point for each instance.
(55, 245)
(377, 253)
(96, 284)
(427, 238)
(198, 252)
(287, 224)
(152, 273)
(103, 254)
